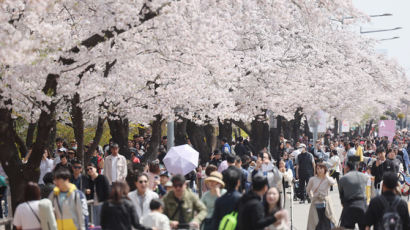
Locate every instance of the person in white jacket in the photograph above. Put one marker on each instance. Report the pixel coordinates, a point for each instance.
(115, 166)
(286, 183)
(142, 196)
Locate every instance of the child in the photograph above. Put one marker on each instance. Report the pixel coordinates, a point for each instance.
(155, 218)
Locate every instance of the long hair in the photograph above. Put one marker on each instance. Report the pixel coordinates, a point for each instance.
(266, 205)
(119, 191)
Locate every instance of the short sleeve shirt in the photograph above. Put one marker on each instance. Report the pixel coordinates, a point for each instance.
(24, 216)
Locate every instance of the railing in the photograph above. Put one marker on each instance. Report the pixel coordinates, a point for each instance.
(7, 222)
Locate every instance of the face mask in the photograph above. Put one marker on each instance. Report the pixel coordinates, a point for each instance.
(75, 148)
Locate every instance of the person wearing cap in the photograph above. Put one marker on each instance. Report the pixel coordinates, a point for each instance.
(305, 169)
(163, 179)
(377, 206)
(60, 152)
(182, 206)
(115, 165)
(214, 184)
(216, 158)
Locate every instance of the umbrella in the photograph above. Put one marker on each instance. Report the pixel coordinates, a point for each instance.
(181, 159)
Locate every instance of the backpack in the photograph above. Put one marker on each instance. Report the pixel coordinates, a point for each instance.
(229, 221)
(391, 219)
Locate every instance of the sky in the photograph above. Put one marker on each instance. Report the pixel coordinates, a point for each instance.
(398, 49)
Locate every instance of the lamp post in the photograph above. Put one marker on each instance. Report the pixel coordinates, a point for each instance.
(376, 31)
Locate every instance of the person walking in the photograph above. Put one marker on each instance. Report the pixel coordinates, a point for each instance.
(352, 190)
(251, 213)
(305, 169)
(27, 213)
(320, 213)
(334, 166)
(78, 178)
(142, 196)
(388, 209)
(118, 213)
(227, 203)
(214, 184)
(70, 204)
(115, 166)
(272, 204)
(46, 165)
(97, 189)
(182, 206)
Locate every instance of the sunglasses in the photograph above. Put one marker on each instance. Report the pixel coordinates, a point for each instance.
(178, 185)
(89, 169)
(77, 167)
(143, 181)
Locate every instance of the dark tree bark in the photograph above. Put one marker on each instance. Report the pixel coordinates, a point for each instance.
(180, 132)
(259, 133)
(336, 126)
(30, 134)
(296, 124)
(225, 130)
(197, 136)
(210, 136)
(52, 137)
(274, 138)
(78, 126)
(286, 129)
(97, 138)
(11, 144)
(306, 129)
(155, 140)
(368, 128)
(119, 129)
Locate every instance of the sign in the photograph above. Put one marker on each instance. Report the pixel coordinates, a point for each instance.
(387, 128)
(345, 126)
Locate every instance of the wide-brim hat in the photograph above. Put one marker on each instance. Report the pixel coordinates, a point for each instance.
(215, 176)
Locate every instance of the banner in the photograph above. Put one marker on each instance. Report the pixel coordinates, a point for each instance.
(345, 127)
(387, 128)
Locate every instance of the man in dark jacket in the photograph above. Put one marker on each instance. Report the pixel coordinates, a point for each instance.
(377, 206)
(251, 214)
(227, 202)
(381, 166)
(240, 149)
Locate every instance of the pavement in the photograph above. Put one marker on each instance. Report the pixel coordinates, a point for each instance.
(301, 211)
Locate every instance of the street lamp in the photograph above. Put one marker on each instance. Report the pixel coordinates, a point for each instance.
(388, 39)
(376, 31)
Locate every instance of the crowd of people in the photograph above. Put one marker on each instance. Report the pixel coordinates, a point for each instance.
(238, 188)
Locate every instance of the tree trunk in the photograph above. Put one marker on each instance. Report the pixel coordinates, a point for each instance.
(96, 141)
(119, 132)
(336, 126)
(296, 124)
(274, 138)
(197, 136)
(18, 173)
(52, 137)
(286, 129)
(155, 140)
(30, 134)
(225, 130)
(307, 130)
(368, 128)
(180, 132)
(259, 133)
(78, 126)
(211, 139)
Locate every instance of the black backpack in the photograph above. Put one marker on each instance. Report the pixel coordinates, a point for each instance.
(391, 219)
